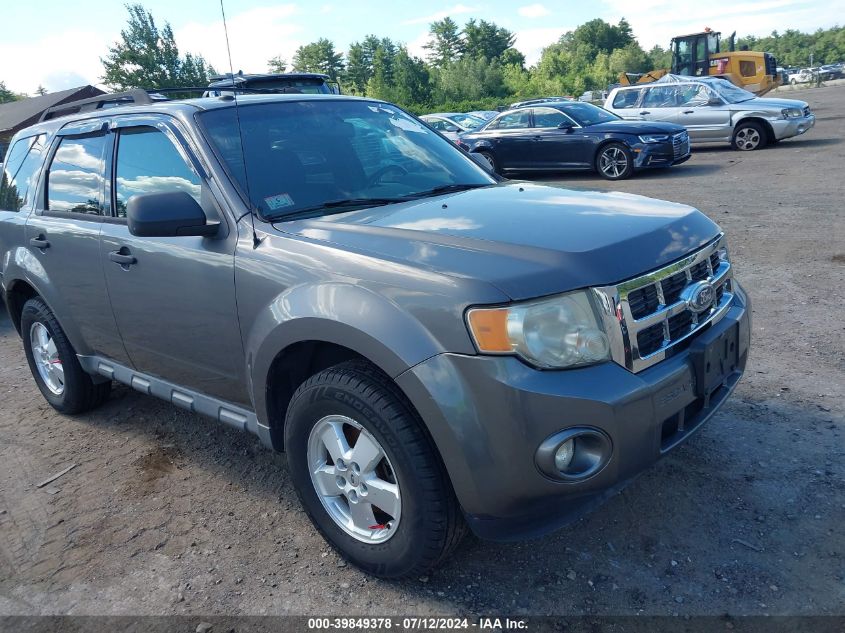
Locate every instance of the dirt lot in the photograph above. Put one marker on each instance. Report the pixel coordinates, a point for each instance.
(168, 513)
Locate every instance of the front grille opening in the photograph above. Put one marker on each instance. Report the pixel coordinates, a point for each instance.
(650, 339)
(643, 301)
(714, 261)
(673, 287)
(699, 271)
(680, 324)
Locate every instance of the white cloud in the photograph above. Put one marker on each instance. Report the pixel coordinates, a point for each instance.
(531, 42)
(439, 15)
(38, 64)
(415, 46)
(535, 10)
(255, 36)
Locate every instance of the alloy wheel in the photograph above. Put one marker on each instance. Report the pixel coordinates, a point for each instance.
(47, 360)
(747, 139)
(354, 479)
(613, 162)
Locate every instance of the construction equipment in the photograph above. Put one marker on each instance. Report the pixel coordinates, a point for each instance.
(699, 54)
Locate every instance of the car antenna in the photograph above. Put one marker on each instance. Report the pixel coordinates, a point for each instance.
(255, 240)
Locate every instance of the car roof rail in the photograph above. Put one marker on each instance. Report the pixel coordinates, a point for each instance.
(136, 96)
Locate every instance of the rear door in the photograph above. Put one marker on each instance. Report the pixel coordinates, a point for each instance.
(660, 103)
(626, 101)
(173, 297)
(63, 234)
(511, 139)
(556, 148)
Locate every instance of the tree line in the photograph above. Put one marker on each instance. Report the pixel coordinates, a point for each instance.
(474, 66)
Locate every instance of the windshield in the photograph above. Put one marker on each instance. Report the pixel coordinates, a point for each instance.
(586, 114)
(467, 121)
(730, 92)
(304, 155)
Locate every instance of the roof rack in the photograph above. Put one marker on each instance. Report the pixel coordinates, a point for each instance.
(137, 96)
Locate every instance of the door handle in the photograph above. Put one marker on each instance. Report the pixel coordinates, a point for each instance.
(689, 111)
(122, 257)
(644, 112)
(39, 242)
(537, 138)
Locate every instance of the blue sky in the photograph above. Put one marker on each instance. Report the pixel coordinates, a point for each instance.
(59, 43)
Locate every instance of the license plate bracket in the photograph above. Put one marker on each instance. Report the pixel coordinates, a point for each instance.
(715, 356)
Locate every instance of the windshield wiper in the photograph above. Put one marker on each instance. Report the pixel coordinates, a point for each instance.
(444, 189)
(333, 206)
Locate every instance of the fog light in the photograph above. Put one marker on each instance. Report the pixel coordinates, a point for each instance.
(564, 454)
(574, 454)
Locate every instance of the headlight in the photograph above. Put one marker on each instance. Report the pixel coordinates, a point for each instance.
(654, 138)
(559, 332)
(792, 113)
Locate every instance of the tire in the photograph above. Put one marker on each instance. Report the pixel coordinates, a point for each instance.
(61, 379)
(614, 161)
(793, 82)
(421, 523)
(748, 137)
(494, 165)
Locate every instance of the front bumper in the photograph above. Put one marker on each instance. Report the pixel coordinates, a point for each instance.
(786, 128)
(648, 155)
(488, 415)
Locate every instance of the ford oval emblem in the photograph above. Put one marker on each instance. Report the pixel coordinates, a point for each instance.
(700, 296)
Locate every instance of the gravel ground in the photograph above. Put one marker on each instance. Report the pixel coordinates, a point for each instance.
(169, 513)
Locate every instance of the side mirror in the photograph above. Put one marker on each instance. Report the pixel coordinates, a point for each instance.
(714, 101)
(452, 128)
(566, 126)
(170, 214)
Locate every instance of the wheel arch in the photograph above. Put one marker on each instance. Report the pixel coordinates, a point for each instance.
(17, 294)
(759, 120)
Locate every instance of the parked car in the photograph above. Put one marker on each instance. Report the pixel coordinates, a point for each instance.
(571, 135)
(802, 76)
(831, 71)
(714, 110)
(433, 348)
(305, 83)
(451, 124)
(590, 96)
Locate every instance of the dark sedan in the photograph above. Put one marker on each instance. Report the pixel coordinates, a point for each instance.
(570, 135)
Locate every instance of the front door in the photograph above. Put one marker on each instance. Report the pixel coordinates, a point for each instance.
(511, 139)
(704, 119)
(173, 297)
(660, 103)
(557, 148)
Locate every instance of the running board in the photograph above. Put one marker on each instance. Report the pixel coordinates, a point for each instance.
(222, 411)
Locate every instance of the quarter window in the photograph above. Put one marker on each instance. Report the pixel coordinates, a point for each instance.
(626, 99)
(75, 178)
(20, 173)
(148, 162)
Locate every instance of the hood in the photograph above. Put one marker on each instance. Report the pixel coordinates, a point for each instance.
(766, 103)
(635, 127)
(527, 240)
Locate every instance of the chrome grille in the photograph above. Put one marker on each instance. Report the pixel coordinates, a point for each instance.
(680, 144)
(646, 316)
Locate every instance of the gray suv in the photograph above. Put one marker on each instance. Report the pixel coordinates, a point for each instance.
(435, 349)
(713, 110)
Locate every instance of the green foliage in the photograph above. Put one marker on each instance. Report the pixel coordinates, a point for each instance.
(6, 95)
(793, 48)
(147, 57)
(445, 45)
(40, 90)
(277, 64)
(485, 39)
(319, 57)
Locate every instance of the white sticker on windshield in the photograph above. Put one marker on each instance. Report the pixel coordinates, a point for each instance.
(279, 201)
(406, 124)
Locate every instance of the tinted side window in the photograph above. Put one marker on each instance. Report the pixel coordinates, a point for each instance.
(148, 162)
(20, 173)
(694, 95)
(511, 121)
(75, 178)
(626, 99)
(548, 117)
